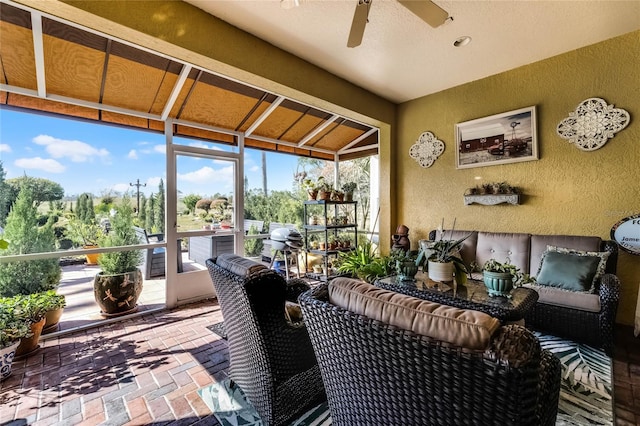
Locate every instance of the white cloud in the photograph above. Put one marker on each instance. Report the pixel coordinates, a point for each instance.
(4, 147)
(76, 151)
(153, 182)
(121, 187)
(37, 163)
(208, 175)
(254, 169)
(133, 155)
(162, 149)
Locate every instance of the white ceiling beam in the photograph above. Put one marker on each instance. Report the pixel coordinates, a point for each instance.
(357, 140)
(264, 116)
(317, 130)
(186, 69)
(38, 51)
(360, 148)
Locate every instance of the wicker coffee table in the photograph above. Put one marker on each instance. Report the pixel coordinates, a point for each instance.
(473, 295)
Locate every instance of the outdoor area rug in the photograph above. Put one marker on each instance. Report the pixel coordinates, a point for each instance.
(586, 391)
(219, 329)
(231, 408)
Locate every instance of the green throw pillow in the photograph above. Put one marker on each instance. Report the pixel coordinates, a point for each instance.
(568, 271)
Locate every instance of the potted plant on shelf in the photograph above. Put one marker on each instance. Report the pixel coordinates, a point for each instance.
(311, 187)
(324, 189)
(117, 287)
(336, 195)
(443, 258)
(13, 328)
(501, 278)
(348, 188)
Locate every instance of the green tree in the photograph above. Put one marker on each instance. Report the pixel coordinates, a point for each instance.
(84, 208)
(142, 214)
(5, 192)
(122, 233)
(150, 213)
(42, 189)
(190, 202)
(159, 208)
(25, 236)
(279, 206)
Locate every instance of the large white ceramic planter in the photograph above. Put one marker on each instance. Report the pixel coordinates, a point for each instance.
(441, 272)
(6, 359)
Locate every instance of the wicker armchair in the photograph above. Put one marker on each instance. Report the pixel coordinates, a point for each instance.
(379, 374)
(271, 358)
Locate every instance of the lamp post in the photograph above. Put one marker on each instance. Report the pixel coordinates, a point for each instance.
(138, 185)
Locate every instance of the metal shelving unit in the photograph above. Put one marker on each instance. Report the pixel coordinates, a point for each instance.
(328, 211)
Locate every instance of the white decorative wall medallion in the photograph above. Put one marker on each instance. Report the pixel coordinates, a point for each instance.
(426, 149)
(592, 124)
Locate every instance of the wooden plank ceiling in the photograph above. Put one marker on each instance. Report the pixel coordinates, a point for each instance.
(77, 73)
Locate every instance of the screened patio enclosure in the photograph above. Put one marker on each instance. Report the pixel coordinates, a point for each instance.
(55, 66)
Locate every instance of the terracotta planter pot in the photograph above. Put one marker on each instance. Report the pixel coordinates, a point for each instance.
(117, 294)
(312, 195)
(52, 319)
(91, 259)
(29, 345)
(6, 359)
(348, 196)
(441, 272)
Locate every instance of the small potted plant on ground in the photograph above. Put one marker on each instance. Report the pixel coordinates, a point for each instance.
(501, 278)
(13, 328)
(119, 284)
(85, 235)
(32, 308)
(55, 304)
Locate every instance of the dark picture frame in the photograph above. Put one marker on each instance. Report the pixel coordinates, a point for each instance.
(509, 137)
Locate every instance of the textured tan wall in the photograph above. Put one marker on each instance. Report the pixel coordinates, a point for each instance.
(567, 191)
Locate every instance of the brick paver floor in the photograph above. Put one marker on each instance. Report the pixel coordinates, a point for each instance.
(146, 370)
(140, 371)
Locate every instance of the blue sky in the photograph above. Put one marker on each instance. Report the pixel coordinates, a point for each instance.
(89, 157)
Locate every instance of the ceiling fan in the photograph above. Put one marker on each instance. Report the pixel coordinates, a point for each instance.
(426, 10)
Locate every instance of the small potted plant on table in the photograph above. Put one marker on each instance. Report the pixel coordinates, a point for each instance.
(501, 278)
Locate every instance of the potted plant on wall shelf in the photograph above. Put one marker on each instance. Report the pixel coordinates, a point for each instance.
(117, 287)
(501, 278)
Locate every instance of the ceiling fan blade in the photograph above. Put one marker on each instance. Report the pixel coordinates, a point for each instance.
(359, 22)
(427, 10)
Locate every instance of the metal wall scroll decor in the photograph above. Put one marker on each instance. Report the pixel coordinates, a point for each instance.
(426, 149)
(592, 124)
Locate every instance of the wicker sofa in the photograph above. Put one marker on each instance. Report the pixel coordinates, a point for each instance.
(580, 316)
(271, 357)
(391, 359)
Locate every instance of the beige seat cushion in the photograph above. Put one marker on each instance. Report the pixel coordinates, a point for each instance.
(569, 299)
(459, 327)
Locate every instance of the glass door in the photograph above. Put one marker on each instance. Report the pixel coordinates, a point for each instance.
(204, 212)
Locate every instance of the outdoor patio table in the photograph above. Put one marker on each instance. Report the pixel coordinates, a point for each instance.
(472, 295)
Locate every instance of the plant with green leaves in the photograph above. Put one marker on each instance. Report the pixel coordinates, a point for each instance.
(519, 277)
(13, 325)
(31, 307)
(444, 251)
(121, 233)
(349, 187)
(253, 246)
(364, 264)
(22, 230)
(83, 233)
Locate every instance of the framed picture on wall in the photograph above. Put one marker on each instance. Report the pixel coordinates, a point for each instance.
(504, 138)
